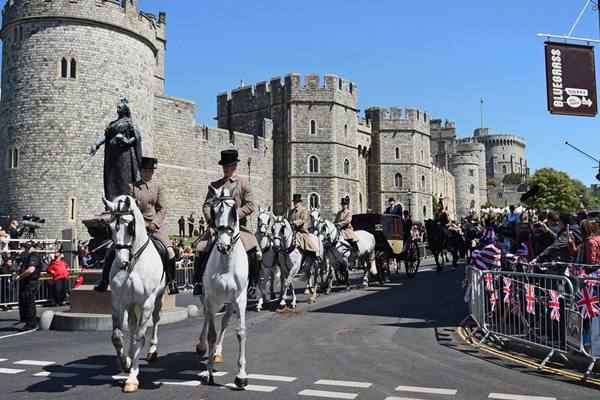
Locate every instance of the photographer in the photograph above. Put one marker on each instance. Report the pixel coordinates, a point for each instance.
(14, 233)
(31, 268)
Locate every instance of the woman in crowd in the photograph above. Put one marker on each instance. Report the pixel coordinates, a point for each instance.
(60, 275)
(588, 252)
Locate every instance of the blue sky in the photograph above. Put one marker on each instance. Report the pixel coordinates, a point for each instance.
(438, 56)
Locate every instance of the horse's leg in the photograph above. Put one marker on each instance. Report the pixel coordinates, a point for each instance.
(212, 338)
(262, 287)
(282, 290)
(347, 266)
(156, 313)
(275, 276)
(218, 357)
(455, 257)
(202, 345)
(437, 262)
(118, 316)
(241, 379)
(138, 334)
(289, 281)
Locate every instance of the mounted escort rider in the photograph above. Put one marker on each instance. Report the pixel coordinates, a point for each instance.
(244, 199)
(343, 221)
(151, 198)
(298, 218)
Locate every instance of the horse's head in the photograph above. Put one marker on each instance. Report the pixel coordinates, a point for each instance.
(313, 223)
(280, 233)
(121, 214)
(325, 231)
(263, 221)
(226, 220)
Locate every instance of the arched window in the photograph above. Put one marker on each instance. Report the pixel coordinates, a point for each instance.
(313, 164)
(64, 66)
(123, 3)
(472, 189)
(422, 182)
(313, 127)
(313, 200)
(504, 169)
(346, 167)
(424, 211)
(397, 150)
(345, 130)
(73, 68)
(398, 180)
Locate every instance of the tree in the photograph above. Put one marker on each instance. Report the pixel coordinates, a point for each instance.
(557, 191)
(512, 179)
(492, 183)
(583, 194)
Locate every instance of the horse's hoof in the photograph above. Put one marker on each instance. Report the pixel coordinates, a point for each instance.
(241, 383)
(218, 358)
(293, 305)
(364, 285)
(152, 357)
(200, 349)
(130, 387)
(273, 297)
(311, 301)
(306, 291)
(211, 380)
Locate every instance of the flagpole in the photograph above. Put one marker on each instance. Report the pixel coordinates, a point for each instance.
(481, 113)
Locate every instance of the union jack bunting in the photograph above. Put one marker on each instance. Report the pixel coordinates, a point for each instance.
(530, 298)
(493, 300)
(587, 301)
(489, 282)
(554, 305)
(489, 257)
(506, 289)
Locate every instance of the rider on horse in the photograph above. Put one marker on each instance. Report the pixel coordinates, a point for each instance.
(151, 199)
(298, 218)
(343, 221)
(244, 199)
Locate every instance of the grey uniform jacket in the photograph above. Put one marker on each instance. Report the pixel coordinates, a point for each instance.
(151, 199)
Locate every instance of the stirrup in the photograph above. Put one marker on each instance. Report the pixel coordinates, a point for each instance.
(101, 286)
(198, 290)
(172, 287)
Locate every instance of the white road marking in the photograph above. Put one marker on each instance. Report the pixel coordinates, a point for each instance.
(327, 394)
(10, 371)
(50, 374)
(109, 377)
(180, 383)
(84, 366)
(34, 362)
(3, 359)
(276, 378)
(202, 373)
(400, 398)
(18, 334)
(254, 388)
(503, 396)
(418, 389)
(343, 383)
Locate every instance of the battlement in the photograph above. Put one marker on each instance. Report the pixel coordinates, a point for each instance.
(501, 139)
(116, 14)
(396, 118)
(436, 123)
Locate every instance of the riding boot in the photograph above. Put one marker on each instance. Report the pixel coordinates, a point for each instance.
(170, 272)
(253, 272)
(199, 266)
(102, 285)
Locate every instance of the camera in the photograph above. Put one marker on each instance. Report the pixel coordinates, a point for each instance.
(33, 222)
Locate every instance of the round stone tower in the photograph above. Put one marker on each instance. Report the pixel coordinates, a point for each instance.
(468, 167)
(505, 153)
(65, 64)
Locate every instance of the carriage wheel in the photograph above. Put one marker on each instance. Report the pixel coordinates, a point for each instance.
(340, 273)
(412, 259)
(382, 262)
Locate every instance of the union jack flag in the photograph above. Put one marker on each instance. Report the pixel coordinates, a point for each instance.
(493, 300)
(530, 298)
(554, 305)
(587, 301)
(489, 257)
(489, 282)
(524, 252)
(506, 289)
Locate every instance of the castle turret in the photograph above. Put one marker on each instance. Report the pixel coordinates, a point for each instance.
(505, 153)
(65, 64)
(467, 164)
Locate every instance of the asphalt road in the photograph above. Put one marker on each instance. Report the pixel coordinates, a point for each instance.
(395, 342)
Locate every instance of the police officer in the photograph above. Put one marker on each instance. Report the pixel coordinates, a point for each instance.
(29, 274)
(244, 199)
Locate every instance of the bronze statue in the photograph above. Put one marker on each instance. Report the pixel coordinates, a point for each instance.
(122, 153)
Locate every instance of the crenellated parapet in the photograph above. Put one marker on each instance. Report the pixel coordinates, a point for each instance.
(108, 13)
(398, 119)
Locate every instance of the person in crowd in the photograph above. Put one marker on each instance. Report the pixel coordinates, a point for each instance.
(407, 225)
(557, 251)
(393, 208)
(15, 233)
(588, 251)
(415, 233)
(201, 226)
(60, 277)
(181, 223)
(86, 257)
(523, 248)
(191, 222)
(28, 282)
(7, 292)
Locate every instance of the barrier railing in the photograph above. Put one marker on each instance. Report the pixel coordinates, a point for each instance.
(9, 290)
(184, 274)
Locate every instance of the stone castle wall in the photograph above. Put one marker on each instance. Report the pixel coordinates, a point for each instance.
(505, 153)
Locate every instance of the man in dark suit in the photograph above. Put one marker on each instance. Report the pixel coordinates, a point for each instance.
(393, 208)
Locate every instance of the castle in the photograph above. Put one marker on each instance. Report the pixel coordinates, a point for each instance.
(65, 63)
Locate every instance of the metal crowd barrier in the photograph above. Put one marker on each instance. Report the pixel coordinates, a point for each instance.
(9, 290)
(184, 274)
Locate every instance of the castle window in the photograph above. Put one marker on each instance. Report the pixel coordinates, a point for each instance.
(472, 189)
(504, 169)
(397, 150)
(12, 157)
(398, 181)
(313, 200)
(123, 4)
(64, 66)
(346, 167)
(73, 73)
(255, 141)
(20, 32)
(424, 212)
(313, 164)
(499, 195)
(422, 182)
(351, 87)
(346, 130)
(422, 155)
(340, 83)
(313, 127)
(471, 172)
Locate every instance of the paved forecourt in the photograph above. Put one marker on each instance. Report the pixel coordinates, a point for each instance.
(396, 342)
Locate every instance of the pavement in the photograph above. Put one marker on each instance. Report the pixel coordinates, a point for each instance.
(397, 342)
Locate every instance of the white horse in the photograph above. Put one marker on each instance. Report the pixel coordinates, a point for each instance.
(137, 284)
(225, 283)
(291, 260)
(269, 270)
(324, 269)
(341, 255)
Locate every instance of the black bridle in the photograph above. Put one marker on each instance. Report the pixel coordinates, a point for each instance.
(266, 233)
(230, 231)
(293, 246)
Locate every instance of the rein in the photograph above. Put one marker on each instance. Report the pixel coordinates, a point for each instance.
(133, 259)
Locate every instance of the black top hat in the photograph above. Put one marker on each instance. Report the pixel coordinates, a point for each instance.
(149, 163)
(229, 157)
(391, 199)
(345, 200)
(297, 197)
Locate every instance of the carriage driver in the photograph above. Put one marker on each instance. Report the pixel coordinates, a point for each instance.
(298, 218)
(244, 199)
(151, 198)
(343, 221)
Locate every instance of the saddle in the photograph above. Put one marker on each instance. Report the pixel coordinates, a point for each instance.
(162, 250)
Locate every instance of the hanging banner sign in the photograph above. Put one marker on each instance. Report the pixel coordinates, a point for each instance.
(571, 79)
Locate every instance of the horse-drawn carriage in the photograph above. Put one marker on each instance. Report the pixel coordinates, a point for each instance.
(388, 232)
